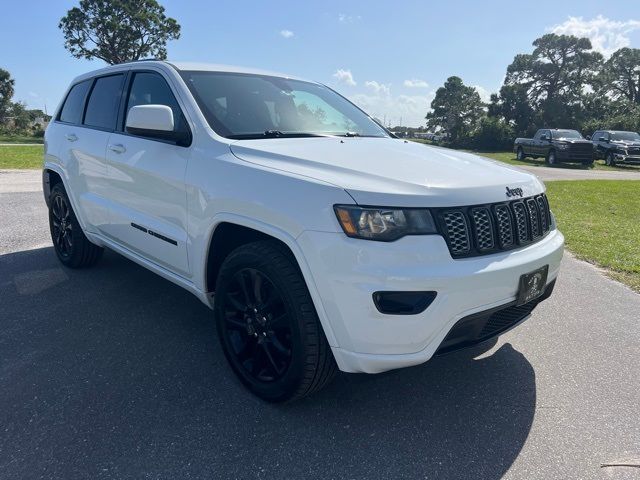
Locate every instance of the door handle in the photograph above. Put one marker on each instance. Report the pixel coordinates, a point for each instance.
(72, 137)
(117, 148)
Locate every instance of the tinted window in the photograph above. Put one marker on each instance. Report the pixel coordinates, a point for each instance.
(255, 106)
(102, 107)
(596, 136)
(152, 89)
(72, 108)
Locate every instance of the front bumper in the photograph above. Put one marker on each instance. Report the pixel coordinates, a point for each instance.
(627, 159)
(347, 272)
(570, 155)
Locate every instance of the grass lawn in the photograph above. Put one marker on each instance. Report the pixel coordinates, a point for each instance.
(601, 222)
(21, 156)
(20, 139)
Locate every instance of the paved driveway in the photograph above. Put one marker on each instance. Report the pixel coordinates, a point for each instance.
(113, 372)
(557, 173)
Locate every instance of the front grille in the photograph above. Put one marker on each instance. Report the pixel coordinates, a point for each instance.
(484, 229)
(634, 150)
(504, 319)
(581, 151)
(457, 232)
(481, 326)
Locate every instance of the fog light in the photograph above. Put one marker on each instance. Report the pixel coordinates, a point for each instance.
(403, 303)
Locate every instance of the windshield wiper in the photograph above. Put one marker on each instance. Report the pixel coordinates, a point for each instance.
(355, 134)
(274, 134)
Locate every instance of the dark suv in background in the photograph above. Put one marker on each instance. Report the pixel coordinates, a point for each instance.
(617, 147)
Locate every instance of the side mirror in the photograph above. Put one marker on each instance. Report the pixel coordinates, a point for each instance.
(155, 121)
(588, 137)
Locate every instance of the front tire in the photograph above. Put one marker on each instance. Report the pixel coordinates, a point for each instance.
(69, 241)
(268, 326)
(610, 159)
(520, 154)
(551, 158)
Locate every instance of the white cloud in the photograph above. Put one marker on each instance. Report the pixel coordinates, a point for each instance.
(415, 83)
(344, 18)
(379, 88)
(606, 35)
(345, 76)
(286, 33)
(410, 109)
(485, 95)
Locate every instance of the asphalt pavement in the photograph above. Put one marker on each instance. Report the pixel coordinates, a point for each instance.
(113, 372)
(559, 173)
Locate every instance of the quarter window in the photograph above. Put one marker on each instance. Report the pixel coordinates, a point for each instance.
(102, 107)
(72, 109)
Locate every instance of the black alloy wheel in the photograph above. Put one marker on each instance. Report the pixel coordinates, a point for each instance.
(69, 241)
(61, 226)
(268, 325)
(257, 326)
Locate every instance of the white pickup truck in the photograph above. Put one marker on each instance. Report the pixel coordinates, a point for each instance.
(319, 240)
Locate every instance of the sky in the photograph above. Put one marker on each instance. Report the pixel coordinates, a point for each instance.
(388, 57)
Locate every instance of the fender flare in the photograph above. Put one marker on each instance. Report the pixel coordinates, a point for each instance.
(46, 189)
(291, 243)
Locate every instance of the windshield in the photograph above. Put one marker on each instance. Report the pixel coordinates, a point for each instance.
(567, 135)
(244, 106)
(625, 136)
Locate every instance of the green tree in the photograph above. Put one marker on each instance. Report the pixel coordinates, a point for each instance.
(118, 31)
(513, 105)
(492, 134)
(20, 117)
(621, 75)
(456, 109)
(554, 77)
(6, 93)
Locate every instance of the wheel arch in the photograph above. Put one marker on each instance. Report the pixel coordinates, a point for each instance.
(231, 231)
(54, 172)
(50, 178)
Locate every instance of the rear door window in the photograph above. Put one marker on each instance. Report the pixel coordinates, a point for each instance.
(72, 109)
(102, 106)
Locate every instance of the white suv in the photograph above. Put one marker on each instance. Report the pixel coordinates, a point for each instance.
(326, 242)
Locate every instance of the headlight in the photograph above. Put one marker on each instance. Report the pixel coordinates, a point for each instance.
(621, 151)
(384, 224)
(563, 146)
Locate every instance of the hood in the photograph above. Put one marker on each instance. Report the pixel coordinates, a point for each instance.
(391, 172)
(625, 143)
(575, 140)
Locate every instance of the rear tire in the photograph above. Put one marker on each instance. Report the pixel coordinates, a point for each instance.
(71, 245)
(268, 326)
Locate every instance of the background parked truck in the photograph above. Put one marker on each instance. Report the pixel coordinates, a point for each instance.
(555, 146)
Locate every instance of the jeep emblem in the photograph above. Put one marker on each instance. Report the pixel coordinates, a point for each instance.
(514, 192)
